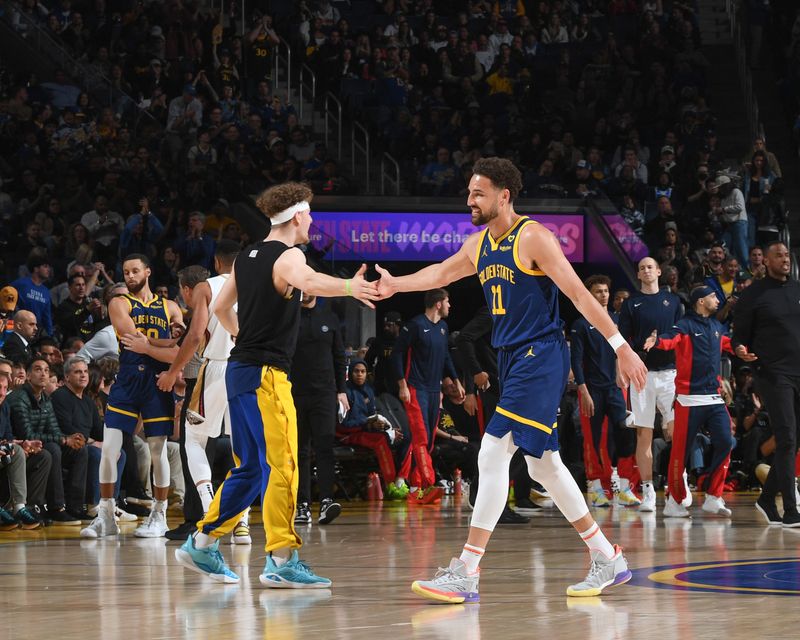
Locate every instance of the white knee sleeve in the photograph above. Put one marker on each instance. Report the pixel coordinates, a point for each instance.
(158, 456)
(112, 445)
(196, 456)
(550, 471)
(493, 462)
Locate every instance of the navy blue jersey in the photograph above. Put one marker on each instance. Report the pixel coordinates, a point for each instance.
(421, 354)
(645, 313)
(151, 319)
(594, 362)
(698, 343)
(523, 301)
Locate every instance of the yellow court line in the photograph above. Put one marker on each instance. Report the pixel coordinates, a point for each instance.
(668, 577)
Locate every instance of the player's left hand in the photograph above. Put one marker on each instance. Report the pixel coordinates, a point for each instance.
(362, 289)
(136, 342)
(165, 381)
(651, 340)
(630, 369)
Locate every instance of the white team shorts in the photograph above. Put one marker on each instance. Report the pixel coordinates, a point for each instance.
(658, 393)
(209, 403)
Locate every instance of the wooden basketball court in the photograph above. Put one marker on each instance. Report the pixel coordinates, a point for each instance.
(743, 583)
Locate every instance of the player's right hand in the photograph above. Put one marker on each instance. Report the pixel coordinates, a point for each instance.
(743, 354)
(362, 289)
(630, 369)
(165, 381)
(404, 394)
(470, 404)
(587, 404)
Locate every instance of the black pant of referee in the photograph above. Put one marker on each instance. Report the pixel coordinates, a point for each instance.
(781, 395)
(316, 429)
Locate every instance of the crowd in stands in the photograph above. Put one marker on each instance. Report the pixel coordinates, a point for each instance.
(586, 97)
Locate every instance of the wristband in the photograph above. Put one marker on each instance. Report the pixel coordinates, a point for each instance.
(347, 288)
(616, 341)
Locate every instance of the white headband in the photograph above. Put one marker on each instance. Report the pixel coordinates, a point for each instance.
(288, 214)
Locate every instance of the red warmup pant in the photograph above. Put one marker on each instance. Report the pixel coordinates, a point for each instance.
(378, 443)
(596, 459)
(688, 421)
(423, 417)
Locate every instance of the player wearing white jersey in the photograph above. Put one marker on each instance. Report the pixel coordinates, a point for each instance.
(208, 406)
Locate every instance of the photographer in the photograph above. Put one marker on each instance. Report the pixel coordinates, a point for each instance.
(261, 39)
(141, 233)
(195, 247)
(79, 314)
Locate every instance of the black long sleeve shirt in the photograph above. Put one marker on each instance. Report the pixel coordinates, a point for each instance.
(319, 363)
(475, 352)
(767, 321)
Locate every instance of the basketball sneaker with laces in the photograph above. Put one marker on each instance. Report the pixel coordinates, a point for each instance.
(293, 574)
(648, 498)
(103, 525)
(598, 498)
(303, 514)
(627, 498)
(674, 510)
(328, 511)
(208, 561)
(241, 533)
(716, 506)
(603, 573)
(154, 526)
(451, 584)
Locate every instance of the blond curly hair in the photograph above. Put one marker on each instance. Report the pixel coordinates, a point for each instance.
(282, 196)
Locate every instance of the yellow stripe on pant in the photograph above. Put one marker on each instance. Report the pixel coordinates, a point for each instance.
(264, 442)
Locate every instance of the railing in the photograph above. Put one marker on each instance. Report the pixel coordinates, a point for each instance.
(745, 75)
(387, 159)
(284, 62)
(307, 82)
(96, 83)
(333, 117)
(355, 145)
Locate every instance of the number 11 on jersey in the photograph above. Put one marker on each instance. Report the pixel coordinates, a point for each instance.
(497, 301)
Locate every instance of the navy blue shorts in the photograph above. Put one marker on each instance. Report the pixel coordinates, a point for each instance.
(135, 394)
(532, 381)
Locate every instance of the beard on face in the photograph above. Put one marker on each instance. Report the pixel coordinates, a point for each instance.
(484, 217)
(136, 287)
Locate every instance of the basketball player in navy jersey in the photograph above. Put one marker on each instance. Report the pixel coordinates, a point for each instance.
(134, 394)
(521, 268)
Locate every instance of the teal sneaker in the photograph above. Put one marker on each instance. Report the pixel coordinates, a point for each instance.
(208, 561)
(292, 575)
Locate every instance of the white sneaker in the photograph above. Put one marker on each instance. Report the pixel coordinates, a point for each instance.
(648, 498)
(603, 572)
(687, 501)
(674, 510)
(154, 526)
(716, 505)
(103, 525)
(120, 515)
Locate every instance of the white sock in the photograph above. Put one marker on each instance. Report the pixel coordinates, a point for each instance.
(108, 505)
(202, 541)
(624, 484)
(206, 492)
(279, 562)
(597, 485)
(399, 483)
(245, 516)
(17, 508)
(471, 556)
(596, 540)
(159, 506)
(647, 484)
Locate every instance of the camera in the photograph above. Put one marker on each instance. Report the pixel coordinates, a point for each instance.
(6, 448)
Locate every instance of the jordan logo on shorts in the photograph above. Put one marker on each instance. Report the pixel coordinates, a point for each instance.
(530, 353)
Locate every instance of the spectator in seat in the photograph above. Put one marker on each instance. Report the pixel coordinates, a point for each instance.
(105, 228)
(732, 213)
(760, 144)
(77, 315)
(756, 268)
(438, 178)
(33, 418)
(378, 356)
(757, 184)
(17, 346)
(195, 247)
(34, 296)
(363, 427)
(26, 480)
(76, 411)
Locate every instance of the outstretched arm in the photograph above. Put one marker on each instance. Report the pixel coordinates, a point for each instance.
(292, 269)
(460, 265)
(540, 247)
